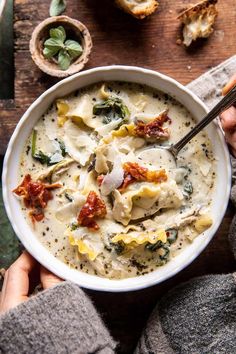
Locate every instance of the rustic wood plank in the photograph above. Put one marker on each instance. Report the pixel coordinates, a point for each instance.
(151, 43)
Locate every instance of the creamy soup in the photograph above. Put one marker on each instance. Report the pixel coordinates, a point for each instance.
(100, 196)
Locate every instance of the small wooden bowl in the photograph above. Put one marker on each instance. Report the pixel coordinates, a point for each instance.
(74, 30)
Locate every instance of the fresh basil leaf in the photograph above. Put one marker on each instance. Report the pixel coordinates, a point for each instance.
(53, 43)
(73, 48)
(58, 33)
(57, 7)
(49, 52)
(64, 59)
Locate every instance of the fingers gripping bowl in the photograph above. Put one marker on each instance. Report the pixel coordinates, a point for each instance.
(145, 245)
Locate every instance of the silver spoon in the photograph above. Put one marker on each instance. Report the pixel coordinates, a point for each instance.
(225, 103)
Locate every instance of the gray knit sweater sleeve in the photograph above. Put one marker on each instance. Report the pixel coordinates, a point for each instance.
(59, 320)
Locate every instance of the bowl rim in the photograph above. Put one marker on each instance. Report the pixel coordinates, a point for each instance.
(58, 267)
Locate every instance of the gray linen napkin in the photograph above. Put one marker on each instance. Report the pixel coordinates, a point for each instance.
(199, 316)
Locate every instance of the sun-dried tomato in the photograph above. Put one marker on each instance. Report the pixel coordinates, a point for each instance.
(136, 173)
(35, 196)
(153, 129)
(128, 179)
(94, 207)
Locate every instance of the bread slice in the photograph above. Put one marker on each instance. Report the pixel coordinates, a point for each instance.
(138, 8)
(198, 20)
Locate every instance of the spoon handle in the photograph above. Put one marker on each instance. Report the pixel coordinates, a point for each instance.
(225, 103)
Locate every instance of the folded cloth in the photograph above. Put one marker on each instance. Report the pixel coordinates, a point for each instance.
(60, 320)
(199, 316)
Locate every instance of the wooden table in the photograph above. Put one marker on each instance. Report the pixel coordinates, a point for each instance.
(151, 43)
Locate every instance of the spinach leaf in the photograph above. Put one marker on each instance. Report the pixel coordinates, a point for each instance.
(188, 189)
(112, 109)
(172, 235)
(152, 247)
(40, 156)
(118, 247)
(165, 252)
(62, 147)
(74, 226)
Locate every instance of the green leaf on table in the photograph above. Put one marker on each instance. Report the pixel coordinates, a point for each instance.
(64, 59)
(73, 48)
(58, 33)
(57, 7)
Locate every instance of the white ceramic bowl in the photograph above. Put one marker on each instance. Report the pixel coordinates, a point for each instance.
(22, 131)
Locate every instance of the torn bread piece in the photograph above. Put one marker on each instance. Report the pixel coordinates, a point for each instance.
(198, 21)
(138, 8)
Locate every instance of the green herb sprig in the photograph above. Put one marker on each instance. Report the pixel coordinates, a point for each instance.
(62, 49)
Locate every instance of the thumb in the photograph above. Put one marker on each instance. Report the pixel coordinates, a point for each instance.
(48, 279)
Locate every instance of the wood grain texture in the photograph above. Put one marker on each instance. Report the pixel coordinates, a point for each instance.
(151, 43)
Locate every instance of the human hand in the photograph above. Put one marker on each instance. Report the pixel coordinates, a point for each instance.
(16, 285)
(228, 118)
